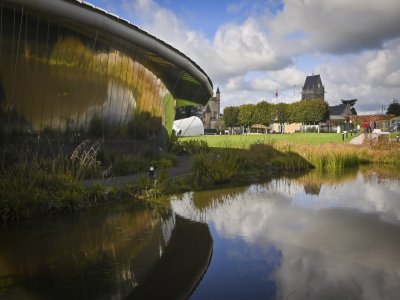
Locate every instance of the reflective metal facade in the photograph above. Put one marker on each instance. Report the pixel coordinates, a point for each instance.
(69, 69)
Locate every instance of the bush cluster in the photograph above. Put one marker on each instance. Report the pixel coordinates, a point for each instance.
(190, 147)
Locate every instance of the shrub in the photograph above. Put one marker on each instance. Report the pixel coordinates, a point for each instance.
(145, 188)
(40, 192)
(215, 168)
(163, 166)
(191, 147)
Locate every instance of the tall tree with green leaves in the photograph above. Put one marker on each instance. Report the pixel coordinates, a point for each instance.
(263, 113)
(394, 109)
(231, 114)
(315, 111)
(296, 111)
(183, 112)
(282, 113)
(246, 115)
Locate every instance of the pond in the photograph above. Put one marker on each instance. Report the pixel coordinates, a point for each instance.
(308, 237)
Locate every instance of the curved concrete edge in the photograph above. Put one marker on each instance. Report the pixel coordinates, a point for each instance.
(84, 13)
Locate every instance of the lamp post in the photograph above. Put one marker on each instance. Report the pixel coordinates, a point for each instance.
(151, 172)
(351, 127)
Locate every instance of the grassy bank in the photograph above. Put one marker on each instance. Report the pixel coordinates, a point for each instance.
(46, 187)
(244, 141)
(35, 186)
(331, 157)
(325, 151)
(43, 187)
(242, 166)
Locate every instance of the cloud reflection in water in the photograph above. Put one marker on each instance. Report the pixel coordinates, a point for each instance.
(341, 244)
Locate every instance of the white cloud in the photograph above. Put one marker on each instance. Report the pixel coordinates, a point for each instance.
(371, 77)
(340, 26)
(276, 44)
(235, 49)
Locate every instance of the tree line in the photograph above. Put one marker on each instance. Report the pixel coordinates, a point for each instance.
(264, 113)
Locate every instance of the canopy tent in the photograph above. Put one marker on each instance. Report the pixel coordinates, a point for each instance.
(192, 126)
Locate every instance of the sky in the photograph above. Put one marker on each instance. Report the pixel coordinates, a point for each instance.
(252, 48)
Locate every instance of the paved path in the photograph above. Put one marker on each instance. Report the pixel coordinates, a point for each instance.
(184, 168)
(358, 140)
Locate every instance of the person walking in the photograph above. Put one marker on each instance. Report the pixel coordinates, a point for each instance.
(365, 125)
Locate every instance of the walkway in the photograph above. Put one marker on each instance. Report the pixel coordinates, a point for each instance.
(183, 169)
(358, 140)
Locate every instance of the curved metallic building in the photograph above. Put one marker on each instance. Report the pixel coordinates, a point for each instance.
(69, 69)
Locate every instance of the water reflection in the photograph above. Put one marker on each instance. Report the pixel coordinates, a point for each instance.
(342, 242)
(109, 253)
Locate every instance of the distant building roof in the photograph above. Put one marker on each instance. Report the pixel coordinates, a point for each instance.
(339, 111)
(313, 88)
(350, 102)
(312, 82)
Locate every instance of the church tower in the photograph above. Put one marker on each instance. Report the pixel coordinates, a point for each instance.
(212, 110)
(313, 88)
(218, 100)
(207, 118)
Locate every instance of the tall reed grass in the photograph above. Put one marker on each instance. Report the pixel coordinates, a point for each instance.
(215, 168)
(242, 165)
(34, 185)
(330, 157)
(338, 157)
(41, 187)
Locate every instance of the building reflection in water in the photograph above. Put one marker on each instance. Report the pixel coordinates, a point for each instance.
(108, 254)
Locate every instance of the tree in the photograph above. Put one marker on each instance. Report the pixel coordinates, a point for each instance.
(246, 115)
(282, 112)
(315, 111)
(183, 112)
(296, 111)
(231, 114)
(394, 109)
(263, 113)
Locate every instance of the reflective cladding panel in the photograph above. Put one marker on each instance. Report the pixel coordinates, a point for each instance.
(58, 79)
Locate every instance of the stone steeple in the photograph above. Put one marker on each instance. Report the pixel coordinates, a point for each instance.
(218, 100)
(313, 88)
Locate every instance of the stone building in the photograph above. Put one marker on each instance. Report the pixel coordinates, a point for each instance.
(313, 88)
(211, 112)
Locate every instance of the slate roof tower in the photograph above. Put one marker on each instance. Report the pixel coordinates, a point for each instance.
(313, 88)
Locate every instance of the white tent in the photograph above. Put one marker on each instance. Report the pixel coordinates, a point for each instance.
(192, 126)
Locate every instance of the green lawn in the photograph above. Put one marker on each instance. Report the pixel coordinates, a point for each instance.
(244, 141)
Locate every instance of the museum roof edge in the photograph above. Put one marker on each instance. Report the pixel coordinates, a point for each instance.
(168, 51)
